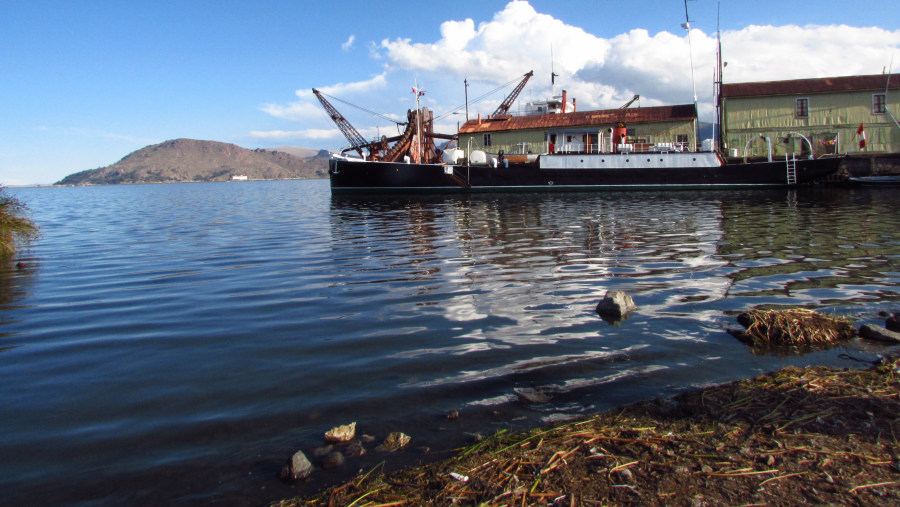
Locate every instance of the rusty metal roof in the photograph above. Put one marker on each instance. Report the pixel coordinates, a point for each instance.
(806, 86)
(581, 119)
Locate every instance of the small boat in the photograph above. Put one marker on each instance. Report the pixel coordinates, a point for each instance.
(876, 180)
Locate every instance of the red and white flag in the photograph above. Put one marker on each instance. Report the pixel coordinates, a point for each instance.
(418, 92)
(861, 133)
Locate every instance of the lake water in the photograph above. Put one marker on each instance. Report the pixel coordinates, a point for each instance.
(177, 343)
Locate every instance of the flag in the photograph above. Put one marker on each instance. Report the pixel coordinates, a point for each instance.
(418, 92)
(861, 133)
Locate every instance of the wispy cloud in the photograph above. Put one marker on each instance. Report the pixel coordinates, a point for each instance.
(317, 134)
(307, 107)
(347, 46)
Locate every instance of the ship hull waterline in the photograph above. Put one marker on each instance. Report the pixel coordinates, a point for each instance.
(352, 176)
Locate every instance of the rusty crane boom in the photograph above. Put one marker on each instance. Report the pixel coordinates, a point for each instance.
(416, 142)
(503, 108)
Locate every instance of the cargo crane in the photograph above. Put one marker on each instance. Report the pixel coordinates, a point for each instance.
(630, 102)
(507, 103)
(357, 142)
(406, 144)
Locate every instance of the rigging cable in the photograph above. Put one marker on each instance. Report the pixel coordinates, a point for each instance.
(477, 99)
(373, 113)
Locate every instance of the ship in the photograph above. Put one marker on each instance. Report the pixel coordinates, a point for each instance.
(587, 151)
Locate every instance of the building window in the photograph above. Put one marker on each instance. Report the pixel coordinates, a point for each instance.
(487, 140)
(802, 108)
(681, 139)
(879, 103)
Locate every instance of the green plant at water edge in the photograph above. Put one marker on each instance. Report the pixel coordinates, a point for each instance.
(16, 229)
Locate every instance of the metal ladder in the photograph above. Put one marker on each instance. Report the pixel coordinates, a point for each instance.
(460, 178)
(791, 169)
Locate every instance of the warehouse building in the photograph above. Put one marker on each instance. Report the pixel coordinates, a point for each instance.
(854, 114)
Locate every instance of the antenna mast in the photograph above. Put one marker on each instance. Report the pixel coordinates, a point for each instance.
(553, 74)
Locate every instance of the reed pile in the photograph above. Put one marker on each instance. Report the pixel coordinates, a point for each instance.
(794, 327)
(796, 436)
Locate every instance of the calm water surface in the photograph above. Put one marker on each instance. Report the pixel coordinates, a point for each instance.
(177, 343)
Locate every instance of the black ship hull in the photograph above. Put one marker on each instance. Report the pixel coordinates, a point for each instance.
(355, 176)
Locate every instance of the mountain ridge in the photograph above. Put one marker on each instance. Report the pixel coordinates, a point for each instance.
(191, 160)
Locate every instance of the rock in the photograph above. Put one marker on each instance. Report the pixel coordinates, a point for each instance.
(355, 449)
(893, 323)
(343, 433)
(394, 441)
(298, 467)
(615, 306)
(452, 415)
(318, 452)
(745, 319)
(879, 333)
(333, 460)
(741, 335)
(532, 395)
(625, 474)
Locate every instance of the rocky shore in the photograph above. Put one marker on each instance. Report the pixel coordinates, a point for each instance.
(786, 438)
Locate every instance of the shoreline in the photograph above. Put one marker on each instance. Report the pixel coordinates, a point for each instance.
(793, 436)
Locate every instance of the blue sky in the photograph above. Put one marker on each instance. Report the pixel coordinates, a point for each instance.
(84, 83)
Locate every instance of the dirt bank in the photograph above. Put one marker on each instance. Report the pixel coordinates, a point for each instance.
(790, 437)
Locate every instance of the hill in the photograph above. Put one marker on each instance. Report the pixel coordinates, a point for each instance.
(188, 160)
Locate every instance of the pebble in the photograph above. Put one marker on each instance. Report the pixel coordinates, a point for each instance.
(298, 467)
(333, 460)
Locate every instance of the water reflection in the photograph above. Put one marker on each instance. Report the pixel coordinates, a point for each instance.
(15, 280)
(814, 246)
(821, 247)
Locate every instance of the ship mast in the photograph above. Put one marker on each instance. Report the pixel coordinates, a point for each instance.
(419, 140)
(687, 26)
(719, 129)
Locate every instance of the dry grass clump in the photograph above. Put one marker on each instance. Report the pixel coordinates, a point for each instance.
(16, 230)
(797, 326)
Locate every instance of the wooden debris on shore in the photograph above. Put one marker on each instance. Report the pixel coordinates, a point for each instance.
(794, 327)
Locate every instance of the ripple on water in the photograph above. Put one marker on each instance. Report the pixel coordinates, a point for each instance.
(166, 329)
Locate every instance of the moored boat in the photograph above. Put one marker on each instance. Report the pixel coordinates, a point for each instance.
(576, 172)
(581, 151)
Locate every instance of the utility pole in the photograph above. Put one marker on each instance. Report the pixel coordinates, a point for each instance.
(466, 82)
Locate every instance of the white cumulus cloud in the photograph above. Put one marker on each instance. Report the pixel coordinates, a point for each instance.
(600, 72)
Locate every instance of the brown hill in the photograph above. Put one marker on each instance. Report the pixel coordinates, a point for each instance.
(188, 160)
